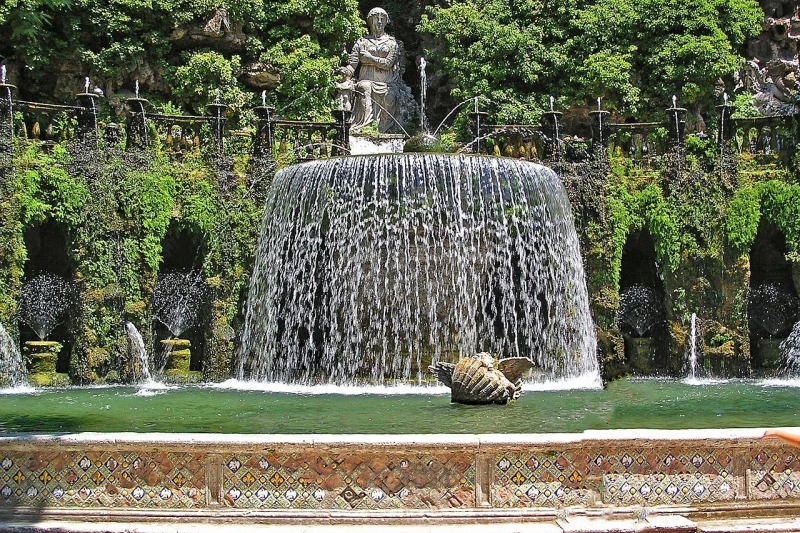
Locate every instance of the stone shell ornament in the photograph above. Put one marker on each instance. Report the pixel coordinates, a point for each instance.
(474, 380)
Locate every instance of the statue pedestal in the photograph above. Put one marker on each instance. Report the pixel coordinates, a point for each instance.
(640, 353)
(376, 144)
(179, 358)
(43, 357)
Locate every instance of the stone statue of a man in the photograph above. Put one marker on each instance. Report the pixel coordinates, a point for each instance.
(380, 95)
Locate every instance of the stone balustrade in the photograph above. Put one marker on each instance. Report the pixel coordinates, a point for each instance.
(304, 140)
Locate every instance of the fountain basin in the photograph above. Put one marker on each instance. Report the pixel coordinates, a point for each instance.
(339, 465)
(625, 480)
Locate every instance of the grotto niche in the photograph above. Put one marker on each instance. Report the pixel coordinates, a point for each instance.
(641, 316)
(772, 303)
(47, 303)
(180, 306)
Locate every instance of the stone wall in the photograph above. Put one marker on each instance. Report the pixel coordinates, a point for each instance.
(678, 472)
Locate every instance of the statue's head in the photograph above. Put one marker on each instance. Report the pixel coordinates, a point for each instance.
(377, 18)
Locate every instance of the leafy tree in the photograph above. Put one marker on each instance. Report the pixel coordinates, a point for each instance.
(24, 22)
(634, 53)
(107, 38)
(511, 53)
(638, 53)
(206, 76)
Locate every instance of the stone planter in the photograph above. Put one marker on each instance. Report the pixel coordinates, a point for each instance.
(640, 353)
(43, 357)
(179, 354)
(179, 358)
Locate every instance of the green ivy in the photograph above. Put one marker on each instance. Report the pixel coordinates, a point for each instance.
(774, 201)
(741, 224)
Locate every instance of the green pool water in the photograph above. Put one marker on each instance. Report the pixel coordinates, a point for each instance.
(660, 404)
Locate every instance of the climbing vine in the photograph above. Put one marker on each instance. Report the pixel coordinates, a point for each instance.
(115, 208)
(774, 201)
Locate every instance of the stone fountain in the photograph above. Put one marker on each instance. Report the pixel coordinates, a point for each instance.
(372, 268)
(178, 303)
(45, 303)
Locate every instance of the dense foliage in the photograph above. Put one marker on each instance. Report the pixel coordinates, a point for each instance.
(513, 54)
(116, 208)
(776, 202)
(634, 54)
(118, 42)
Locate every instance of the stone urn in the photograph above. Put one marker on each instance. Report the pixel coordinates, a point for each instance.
(179, 355)
(640, 353)
(43, 357)
(179, 358)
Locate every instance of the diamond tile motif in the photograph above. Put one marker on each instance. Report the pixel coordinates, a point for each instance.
(661, 489)
(540, 480)
(350, 481)
(102, 479)
(617, 474)
(627, 476)
(775, 474)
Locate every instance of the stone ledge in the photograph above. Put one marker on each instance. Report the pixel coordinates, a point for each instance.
(187, 523)
(637, 437)
(595, 474)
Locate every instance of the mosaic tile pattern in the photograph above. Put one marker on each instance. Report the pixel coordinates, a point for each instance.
(649, 476)
(660, 489)
(396, 479)
(774, 474)
(350, 481)
(102, 479)
(540, 479)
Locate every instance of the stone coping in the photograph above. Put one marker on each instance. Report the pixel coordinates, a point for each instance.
(640, 437)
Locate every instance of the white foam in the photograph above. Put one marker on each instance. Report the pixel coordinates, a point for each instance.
(153, 388)
(780, 382)
(703, 381)
(22, 389)
(155, 385)
(590, 381)
(344, 390)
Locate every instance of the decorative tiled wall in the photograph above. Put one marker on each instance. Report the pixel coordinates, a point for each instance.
(358, 480)
(633, 476)
(181, 474)
(774, 474)
(102, 479)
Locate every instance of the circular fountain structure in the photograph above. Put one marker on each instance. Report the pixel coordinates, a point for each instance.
(370, 268)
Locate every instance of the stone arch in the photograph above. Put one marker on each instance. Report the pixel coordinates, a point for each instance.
(182, 280)
(641, 316)
(48, 279)
(773, 304)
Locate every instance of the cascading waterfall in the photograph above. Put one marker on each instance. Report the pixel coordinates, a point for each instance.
(136, 344)
(423, 92)
(12, 367)
(693, 348)
(369, 268)
(790, 350)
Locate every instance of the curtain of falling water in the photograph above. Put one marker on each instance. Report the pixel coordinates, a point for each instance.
(369, 268)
